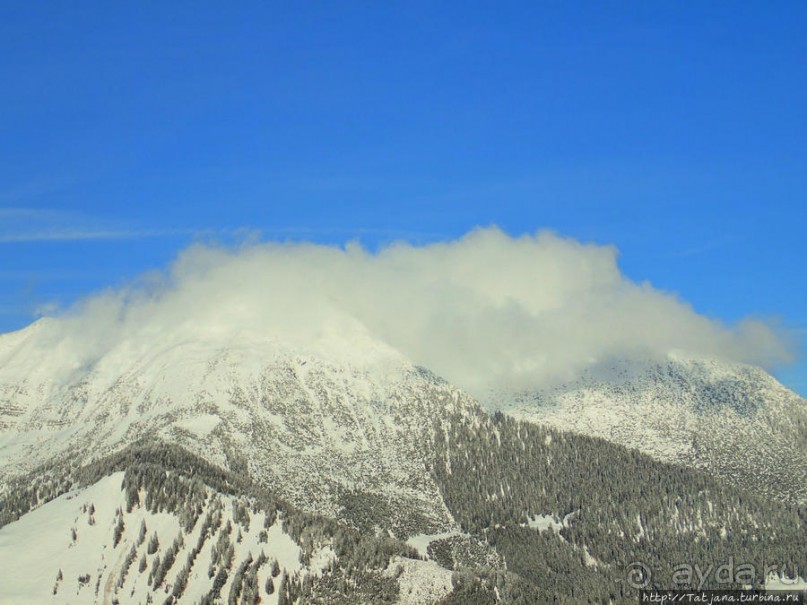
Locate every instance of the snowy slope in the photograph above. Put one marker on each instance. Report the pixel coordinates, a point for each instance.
(64, 552)
(343, 415)
(733, 420)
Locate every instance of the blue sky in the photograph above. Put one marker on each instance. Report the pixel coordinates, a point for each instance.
(674, 131)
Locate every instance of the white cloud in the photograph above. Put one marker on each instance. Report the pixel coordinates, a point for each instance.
(485, 311)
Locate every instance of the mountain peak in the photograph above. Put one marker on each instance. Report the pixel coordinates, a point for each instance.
(733, 419)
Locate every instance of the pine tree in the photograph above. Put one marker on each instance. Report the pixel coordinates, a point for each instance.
(154, 544)
(118, 531)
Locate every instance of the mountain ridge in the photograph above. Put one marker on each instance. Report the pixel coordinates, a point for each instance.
(376, 461)
(731, 419)
(305, 424)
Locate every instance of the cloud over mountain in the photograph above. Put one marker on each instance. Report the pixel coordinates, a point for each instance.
(486, 311)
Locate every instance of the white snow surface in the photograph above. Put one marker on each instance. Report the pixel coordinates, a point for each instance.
(36, 547)
(201, 425)
(543, 523)
(421, 542)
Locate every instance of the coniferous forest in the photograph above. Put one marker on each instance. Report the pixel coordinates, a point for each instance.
(545, 517)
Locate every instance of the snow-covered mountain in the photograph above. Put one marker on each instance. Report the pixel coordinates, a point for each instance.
(67, 551)
(161, 537)
(366, 478)
(733, 420)
(319, 425)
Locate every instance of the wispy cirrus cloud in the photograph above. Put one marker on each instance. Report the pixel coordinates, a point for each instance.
(26, 225)
(30, 225)
(26, 213)
(702, 248)
(66, 235)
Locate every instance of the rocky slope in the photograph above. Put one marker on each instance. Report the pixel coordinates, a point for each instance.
(322, 430)
(732, 420)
